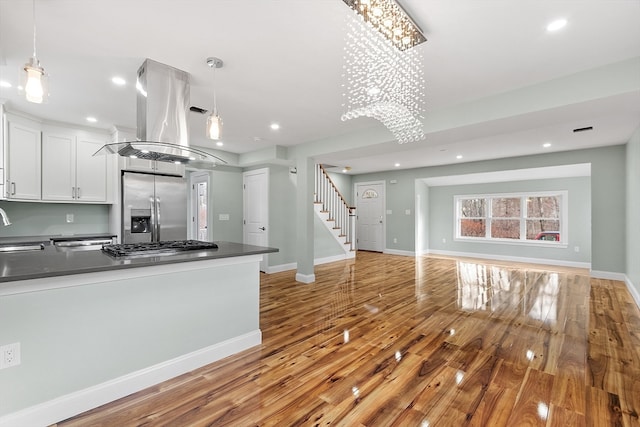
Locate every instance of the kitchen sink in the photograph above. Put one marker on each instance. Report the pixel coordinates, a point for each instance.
(21, 248)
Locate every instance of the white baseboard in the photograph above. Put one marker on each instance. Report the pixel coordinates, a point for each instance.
(63, 407)
(305, 278)
(327, 260)
(633, 290)
(542, 261)
(398, 252)
(280, 268)
(294, 265)
(609, 275)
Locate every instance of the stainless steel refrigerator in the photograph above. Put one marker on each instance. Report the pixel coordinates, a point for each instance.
(154, 208)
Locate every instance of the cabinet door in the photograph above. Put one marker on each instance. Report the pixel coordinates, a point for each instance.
(138, 165)
(91, 171)
(169, 168)
(58, 166)
(156, 167)
(23, 152)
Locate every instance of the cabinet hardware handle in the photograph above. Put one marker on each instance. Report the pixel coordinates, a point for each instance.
(73, 192)
(13, 188)
(78, 192)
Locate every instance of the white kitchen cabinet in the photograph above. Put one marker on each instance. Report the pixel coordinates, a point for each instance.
(70, 172)
(23, 161)
(153, 166)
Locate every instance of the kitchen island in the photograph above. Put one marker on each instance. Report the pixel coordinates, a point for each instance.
(93, 328)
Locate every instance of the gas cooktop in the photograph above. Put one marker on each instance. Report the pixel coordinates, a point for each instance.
(157, 248)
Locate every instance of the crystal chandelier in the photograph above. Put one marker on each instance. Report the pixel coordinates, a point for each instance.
(382, 76)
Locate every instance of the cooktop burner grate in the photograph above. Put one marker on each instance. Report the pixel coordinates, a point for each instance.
(157, 248)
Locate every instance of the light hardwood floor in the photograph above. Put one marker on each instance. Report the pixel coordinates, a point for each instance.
(401, 341)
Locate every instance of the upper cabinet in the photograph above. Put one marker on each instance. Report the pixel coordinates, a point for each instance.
(23, 159)
(46, 162)
(153, 166)
(70, 171)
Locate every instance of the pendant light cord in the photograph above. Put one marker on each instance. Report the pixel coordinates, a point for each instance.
(215, 99)
(34, 28)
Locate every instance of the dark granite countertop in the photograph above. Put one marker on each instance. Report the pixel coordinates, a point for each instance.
(53, 261)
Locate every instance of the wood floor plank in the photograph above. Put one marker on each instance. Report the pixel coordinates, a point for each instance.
(397, 341)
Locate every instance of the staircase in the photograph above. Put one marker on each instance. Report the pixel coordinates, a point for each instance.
(334, 211)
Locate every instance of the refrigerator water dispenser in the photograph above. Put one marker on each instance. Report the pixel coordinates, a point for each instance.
(141, 220)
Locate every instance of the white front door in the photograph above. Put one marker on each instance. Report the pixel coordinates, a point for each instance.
(370, 216)
(256, 209)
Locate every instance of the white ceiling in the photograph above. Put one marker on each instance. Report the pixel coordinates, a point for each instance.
(283, 62)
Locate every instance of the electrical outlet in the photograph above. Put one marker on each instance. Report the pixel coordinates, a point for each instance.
(444, 240)
(9, 355)
(576, 248)
(395, 240)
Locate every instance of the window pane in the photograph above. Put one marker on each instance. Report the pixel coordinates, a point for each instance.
(505, 207)
(543, 229)
(472, 208)
(473, 228)
(505, 228)
(543, 207)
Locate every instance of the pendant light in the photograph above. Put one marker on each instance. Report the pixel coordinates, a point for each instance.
(35, 81)
(214, 121)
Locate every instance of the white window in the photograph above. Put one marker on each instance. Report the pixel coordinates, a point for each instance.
(528, 218)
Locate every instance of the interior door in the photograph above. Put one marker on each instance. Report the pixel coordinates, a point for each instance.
(370, 216)
(200, 207)
(256, 209)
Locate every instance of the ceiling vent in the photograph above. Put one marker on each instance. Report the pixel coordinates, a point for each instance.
(583, 129)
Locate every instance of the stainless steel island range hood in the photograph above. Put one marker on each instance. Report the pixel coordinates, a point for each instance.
(163, 96)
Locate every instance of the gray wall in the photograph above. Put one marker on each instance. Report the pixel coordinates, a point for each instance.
(76, 337)
(46, 219)
(226, 198)
(633, 211)
(282, 215)
(324, 244)
(442, 219)
(608, 196)
(344, 184)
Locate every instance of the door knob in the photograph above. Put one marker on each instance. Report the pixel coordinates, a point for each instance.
(261, 228)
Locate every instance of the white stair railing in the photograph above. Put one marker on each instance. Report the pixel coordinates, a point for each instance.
(336, 205)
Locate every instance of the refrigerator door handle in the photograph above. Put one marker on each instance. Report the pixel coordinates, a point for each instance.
(158, 221)
(153, 220)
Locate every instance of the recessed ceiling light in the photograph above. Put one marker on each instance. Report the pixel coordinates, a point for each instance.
(4, 84)
(556, 25)
(119, 81)
(219, 143)
(459, 156)
(397, 165)
(546, 145)
(92, 119)
(275, 126)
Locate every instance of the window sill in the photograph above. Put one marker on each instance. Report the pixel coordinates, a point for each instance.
(532, 243)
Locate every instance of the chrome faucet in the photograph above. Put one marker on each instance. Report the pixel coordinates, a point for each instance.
(5, 218)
